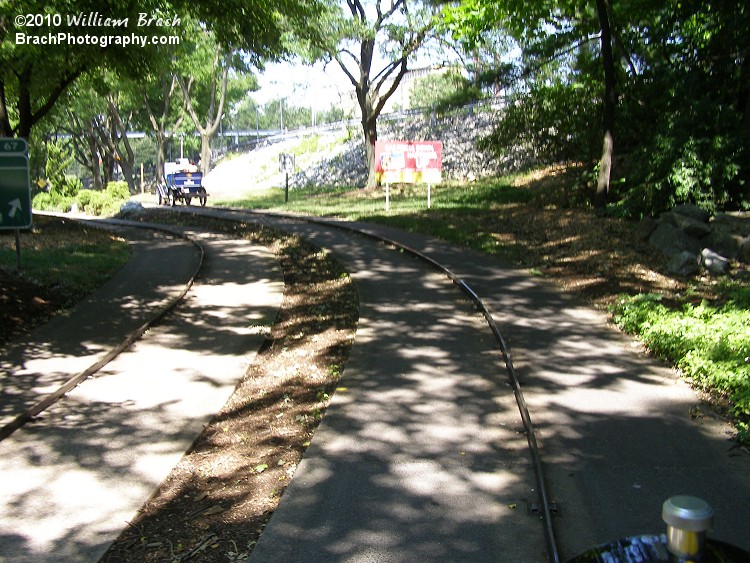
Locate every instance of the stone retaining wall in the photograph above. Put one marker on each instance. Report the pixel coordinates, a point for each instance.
(462, 160)
(692, 239)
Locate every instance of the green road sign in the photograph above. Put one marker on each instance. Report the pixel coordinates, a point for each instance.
(15, 146)
(15, 192)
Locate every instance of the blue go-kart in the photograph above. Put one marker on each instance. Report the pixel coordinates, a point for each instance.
(182, 186)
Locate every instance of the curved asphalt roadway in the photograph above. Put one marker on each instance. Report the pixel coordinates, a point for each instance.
(77, 474)
(420, 457)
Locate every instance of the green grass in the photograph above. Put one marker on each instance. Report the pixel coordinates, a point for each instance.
(457, 214)
(709, 343)
(69, 257)
(78, 269)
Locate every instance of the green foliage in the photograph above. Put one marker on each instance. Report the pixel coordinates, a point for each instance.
(35, 76)
(59, 157)
(75, 266)
(47, 201)
(443, 91)
(118, 190)
(679, 162)
(100, 203)
(72, 185)
(549, 123)
(709, 343)
(263, 30)
(682, 88)
(107, 202)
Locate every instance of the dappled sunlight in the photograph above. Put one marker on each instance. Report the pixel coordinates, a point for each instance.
(132, 422)
(423, 437)
(56, 488)
(34, 366)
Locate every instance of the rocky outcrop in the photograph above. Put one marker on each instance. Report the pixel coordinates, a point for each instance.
(692, 239)
(462, 160)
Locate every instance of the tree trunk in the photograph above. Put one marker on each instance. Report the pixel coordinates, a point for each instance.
(96, 174)
(85, 141)
(121, 144)
(370, 128)
(5, 128)
(161, 156)
(127, 162)
(374, 90)
(608, 121)
(205, 164)
(213, 115)
(24, 104)
(93, 158)
(159, 123)
(127, 169)
(27, 115)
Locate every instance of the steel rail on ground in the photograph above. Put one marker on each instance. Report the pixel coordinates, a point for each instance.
(44, 403)
(51, 398)
(544, 500)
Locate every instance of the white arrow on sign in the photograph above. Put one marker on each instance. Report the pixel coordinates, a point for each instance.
(15, 206)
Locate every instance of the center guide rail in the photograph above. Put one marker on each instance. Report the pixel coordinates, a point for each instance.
(544, 501)
(51, 398)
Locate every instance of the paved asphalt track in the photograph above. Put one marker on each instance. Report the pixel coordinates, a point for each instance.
(75, 476)
(421, 455)
(419, 459)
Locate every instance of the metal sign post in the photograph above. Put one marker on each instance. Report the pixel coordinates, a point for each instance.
(286, 167)
(15, 192)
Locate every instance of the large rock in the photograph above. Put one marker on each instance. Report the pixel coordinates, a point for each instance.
(131, 206)
(736, 222)
(713, 262)
(723, 242)
(745, 251)
(692, 211)
(671, 240)
(684, 264)
(693, 227)
(646, 228)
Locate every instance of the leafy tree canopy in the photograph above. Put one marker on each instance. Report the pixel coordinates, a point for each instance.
(37, 70)
(680, 70)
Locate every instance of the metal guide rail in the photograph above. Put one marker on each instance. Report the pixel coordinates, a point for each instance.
(544, 505)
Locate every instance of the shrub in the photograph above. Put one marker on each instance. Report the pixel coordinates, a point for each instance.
(43, 202)
(50, 201)
(83, 199)
(705, 171)
(70, 186)
(709, 343)
(697, 150)
(118, 190)
(103, 203)
(549, 123)
(93, 202)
